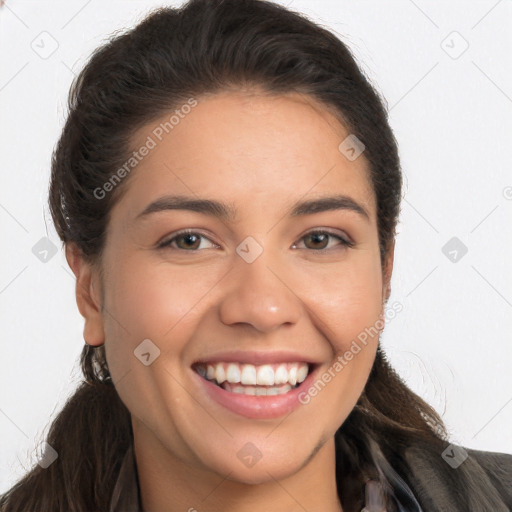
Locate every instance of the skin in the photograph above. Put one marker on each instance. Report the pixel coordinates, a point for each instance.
(260, 153)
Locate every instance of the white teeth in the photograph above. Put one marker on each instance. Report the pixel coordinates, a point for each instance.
(259, 375)
(233, 373)
(257, 391)
(302, 373)
(265, 375)
(247, 391)
(248, 375)
(292, 375)
(220, 374)
(281, 374)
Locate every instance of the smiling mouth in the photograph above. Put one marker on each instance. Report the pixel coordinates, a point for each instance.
(258, 380)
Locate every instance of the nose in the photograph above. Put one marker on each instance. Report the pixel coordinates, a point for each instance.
(260, 295)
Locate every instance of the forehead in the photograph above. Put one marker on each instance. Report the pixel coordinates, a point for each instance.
(245, 148)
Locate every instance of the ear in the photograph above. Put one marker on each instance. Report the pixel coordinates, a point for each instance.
(388, 271)
(87, 296)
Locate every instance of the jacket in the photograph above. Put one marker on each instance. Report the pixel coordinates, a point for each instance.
(490, 490)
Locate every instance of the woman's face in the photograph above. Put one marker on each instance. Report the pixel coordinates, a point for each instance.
(259, 286)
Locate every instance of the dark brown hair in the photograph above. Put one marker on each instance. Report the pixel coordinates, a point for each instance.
(208, 46)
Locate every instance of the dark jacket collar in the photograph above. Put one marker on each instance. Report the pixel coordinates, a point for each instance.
(490, 474)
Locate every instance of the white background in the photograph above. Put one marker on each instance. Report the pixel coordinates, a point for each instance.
(453, 121)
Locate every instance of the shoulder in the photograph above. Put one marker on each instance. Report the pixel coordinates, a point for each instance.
(460, 478)
(498, 467)
(492, 461)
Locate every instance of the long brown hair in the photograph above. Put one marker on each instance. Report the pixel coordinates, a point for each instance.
(174, 54)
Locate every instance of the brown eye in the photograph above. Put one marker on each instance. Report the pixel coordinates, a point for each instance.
(315, 240)
(320, 240)
(190, 241)
(186, 240)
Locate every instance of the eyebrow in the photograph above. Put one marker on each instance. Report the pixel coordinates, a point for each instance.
(227, 212)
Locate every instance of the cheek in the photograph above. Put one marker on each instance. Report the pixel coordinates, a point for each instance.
(350, 320)
(346, 301)
(157, 302)
(150, 299)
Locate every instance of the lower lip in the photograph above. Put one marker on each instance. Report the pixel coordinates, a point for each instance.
(257, 407)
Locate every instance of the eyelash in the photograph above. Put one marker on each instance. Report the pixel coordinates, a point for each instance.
(167, 243)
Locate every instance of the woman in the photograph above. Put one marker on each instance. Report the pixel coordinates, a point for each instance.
(227, 188)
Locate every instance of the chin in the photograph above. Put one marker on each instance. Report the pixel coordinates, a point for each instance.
(261, 475)
(265, 469)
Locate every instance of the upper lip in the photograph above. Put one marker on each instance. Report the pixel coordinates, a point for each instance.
(257, 357)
